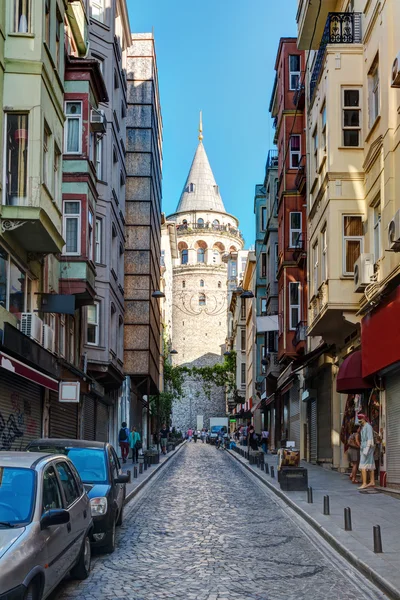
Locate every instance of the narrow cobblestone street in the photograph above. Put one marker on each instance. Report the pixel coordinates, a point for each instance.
(205, 530)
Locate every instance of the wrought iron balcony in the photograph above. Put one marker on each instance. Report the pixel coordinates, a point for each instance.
(300, 180)
(272, 160)
(300, 250)
(195, 228)
(340, 28)
(301, 333)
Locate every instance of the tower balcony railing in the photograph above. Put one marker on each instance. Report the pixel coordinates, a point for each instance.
(195, 228)
(340, 28)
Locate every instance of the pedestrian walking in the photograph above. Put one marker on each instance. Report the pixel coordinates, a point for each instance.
(252, 439)
(190, 434)
(367, 462)
(135, 444)
(264, 440)
(123, 439)
(203, 435)
(164, 433)
(353, 452)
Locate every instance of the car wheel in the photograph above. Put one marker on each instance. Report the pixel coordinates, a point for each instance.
(32, 592)
(82, 567)
(121, 515)
(109, 546)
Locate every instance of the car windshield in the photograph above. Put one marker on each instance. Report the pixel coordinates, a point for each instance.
(89, 462)
(17, 494)
(216, 428)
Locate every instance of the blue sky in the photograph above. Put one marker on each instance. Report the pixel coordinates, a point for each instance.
(218, 56)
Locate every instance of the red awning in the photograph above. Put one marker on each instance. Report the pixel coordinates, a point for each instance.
(18, 368)
(350, 379)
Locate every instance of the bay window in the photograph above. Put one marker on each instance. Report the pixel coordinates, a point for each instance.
(353, 242)
(16, 159)
(294, 304)
(72, 227)
(15, 287)
(295, 229)
(295, 151)
(73, 128)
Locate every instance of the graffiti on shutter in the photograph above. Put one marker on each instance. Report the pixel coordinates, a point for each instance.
(20, 411)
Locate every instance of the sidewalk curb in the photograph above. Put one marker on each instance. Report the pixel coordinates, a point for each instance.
(386, 587)
(141, 485)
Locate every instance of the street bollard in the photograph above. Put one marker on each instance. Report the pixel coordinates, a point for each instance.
(267, 468)
(309, 495)
(347, 519)
(377, 539)
(140, 468)
(272, 471)
(145, 464)
(262, 466)
(135, 473)
(129, 473)
(326, 506)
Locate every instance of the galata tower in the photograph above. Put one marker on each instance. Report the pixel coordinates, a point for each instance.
(207, 235)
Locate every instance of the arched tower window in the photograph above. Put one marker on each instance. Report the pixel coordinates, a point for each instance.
(191, 187)
(201, 255)
(184, 223)
(215, 223)
(202, 299)
(201, 282)
(183, 284)
(200, 223)
(184, 256)
(219, 284)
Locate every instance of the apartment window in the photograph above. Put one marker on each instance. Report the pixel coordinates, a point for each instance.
(71, 340)
(373, 92)
(59, 37)
(353, 241)
(57, 173)
(202, 299)
(46, 157)
(324, 258)
(263, 307)
(14, 286)
(72, 227)
(276, 261)
(294, 71)
(315, 148)
(73, 127)
(294, 304)
(61, 336)
(98, 234)
(315, 267)
(272, 342)
(99, 157)
(243, 374)
(243, 340)
(243, 308)
(22, 16)
(263, 218)
(351, 117)
(184, 257)
(200, 255)
(92, 334)
(90, 234)
(377, 232)
(295, 229)
(16, 163)
(201, 283)
(323, 126)
(295, 151)
(47, 22)
(98, 10)
(263, 264)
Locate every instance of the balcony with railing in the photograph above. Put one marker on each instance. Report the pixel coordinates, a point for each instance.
(300, 249)
(299, 97)
(340, 28)
(300, 181)
(272, 160)
(300, 334)
(196, 228)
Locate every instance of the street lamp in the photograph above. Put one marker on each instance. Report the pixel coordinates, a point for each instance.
(227, 353)
(247, 294)
(158, 294)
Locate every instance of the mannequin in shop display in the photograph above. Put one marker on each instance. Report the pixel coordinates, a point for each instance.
(367, 462)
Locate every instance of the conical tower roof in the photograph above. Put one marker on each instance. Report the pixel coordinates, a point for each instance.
(201, 191)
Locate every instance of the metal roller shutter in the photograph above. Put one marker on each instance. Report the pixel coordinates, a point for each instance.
(89, 419)
(393, 430)
(101, 422)
(312, 430)
(20, 411)
(63, 421)
(294, 419)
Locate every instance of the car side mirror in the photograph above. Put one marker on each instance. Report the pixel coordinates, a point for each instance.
(57, 516)
(122, 479)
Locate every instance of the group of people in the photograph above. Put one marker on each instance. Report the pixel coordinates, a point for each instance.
(363, 452)
(195, 434)
(246, 434)
(131, 440)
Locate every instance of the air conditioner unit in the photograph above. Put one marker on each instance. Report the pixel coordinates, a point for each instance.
(32, 326)
(363, 271)
(48, 338)
(396, 72)
(394, 233)
(98, 120)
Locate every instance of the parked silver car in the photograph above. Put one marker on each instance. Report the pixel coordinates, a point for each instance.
(45, 524)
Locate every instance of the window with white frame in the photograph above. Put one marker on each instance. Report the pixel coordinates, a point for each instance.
(294, 304)
(324, 257)
(377, 232)
(98, 234)
(243, 340)
(294, 71)
(90, 234)
(57, 174)
(243, 374)
(351, 116)
(295, 151)
(295, 229)
(99, 157)
(353, 242)
(46, 154)
(73, 128)
(315, 148)
(72, 227)
(323, 126)
(98, 10)
(16, 160)
(22, 16)
(373, 92)
(92, 332)
(263, 218)
(14, 285)
(315, 268)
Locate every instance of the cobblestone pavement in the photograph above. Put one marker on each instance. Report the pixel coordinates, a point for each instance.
(205, 530)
